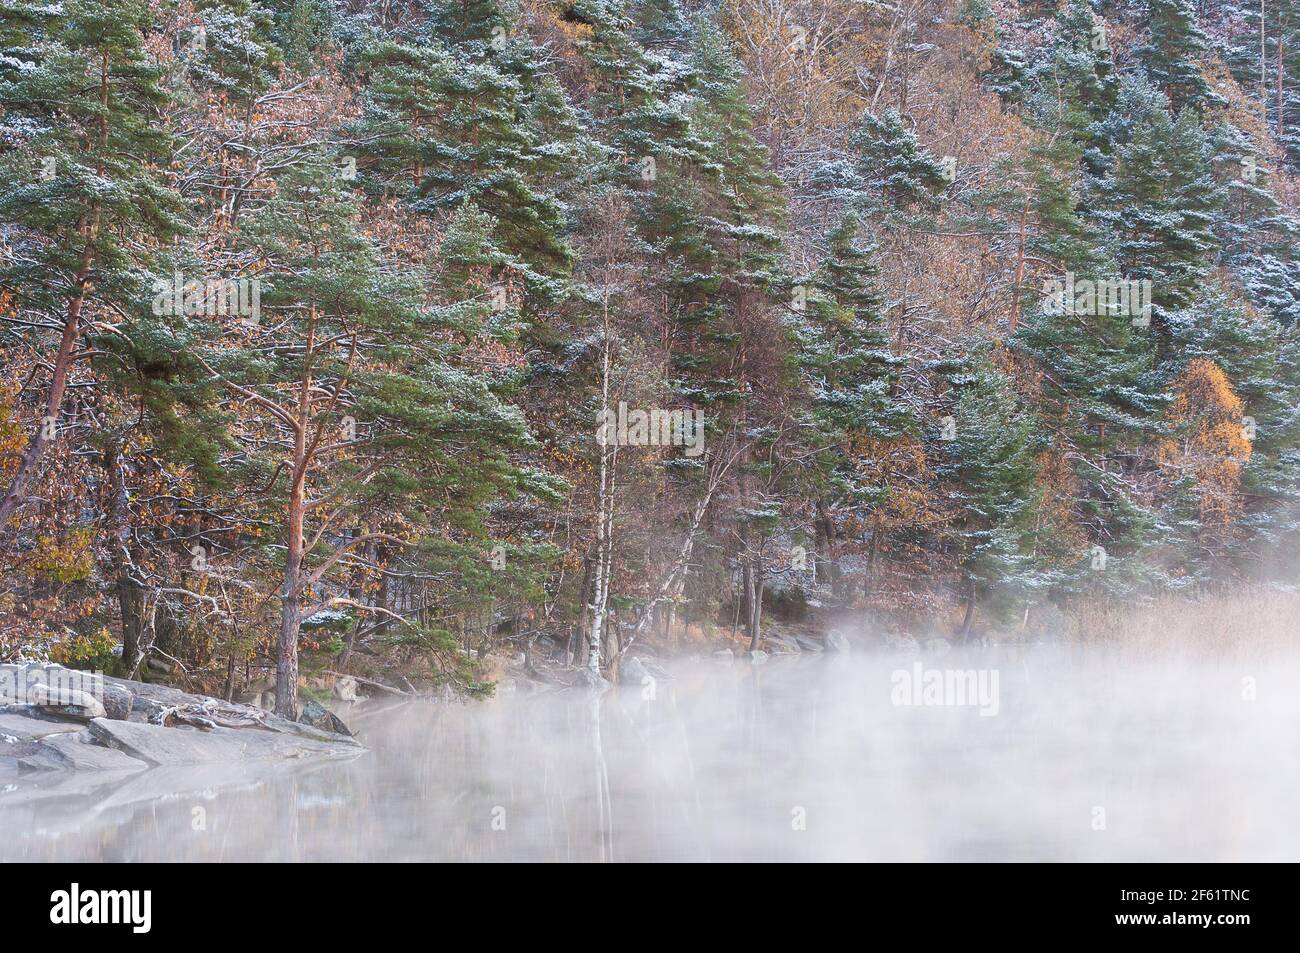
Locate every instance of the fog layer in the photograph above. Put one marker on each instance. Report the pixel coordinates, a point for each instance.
(861, 757)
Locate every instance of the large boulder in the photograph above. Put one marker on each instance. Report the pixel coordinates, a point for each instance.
(54, 687)
(782, 644)
(634, 672)
(318, 716)
(70, 702)
(808, 644)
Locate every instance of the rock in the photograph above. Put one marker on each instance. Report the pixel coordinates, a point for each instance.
(67, 701)
(837, 642)
(807, 644)
(77, 751)
(781, 645)
(16, 727)
(166, 746)
(724, 655)
(117, 702)
(318, 716)
(141, 724)
(634, 672)
(757, 656)
(45, 685)
(16, 681)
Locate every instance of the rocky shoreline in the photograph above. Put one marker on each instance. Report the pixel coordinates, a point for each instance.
(58, 719)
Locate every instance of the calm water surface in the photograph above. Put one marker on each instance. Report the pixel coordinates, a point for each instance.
(799, 759)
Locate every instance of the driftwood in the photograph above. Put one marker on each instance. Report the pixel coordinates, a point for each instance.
(205, 717)
(371, 683)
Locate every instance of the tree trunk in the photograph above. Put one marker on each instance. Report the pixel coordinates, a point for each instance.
(600, 597)
(286, 667)
(604, 514)
(832, 568)
(58, 384)
(1281, 75)
(1020, 270)
(130, 594)
(746, 592)
(873, 551)
(89, 227)
(575, 649)
(754, 587)
(964, 632)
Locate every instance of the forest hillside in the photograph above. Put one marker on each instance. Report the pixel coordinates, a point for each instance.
(380, 337)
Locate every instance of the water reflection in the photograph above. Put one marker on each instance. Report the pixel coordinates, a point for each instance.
(799, 759)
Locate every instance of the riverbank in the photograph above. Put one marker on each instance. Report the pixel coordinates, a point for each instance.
(58, 719)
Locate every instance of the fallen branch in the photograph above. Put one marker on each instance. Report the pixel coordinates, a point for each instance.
(380, 685)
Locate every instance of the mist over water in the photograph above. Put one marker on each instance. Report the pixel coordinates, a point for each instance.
(1090, 756)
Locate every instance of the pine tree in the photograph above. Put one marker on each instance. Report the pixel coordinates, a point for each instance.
(751, 206)
(728, 320)
(304, 31)
(845, 359)
(893, 171)
(1083, 56)
(990, 464)
(474, 24)
(1262, 49)
(84, 195)
(632, 103)
(1258, 242)
(846, 343)
(1101, 394)
(1176, 42)
(230, 50)
(370, 434)
(442, 132)
(1160, 202)
(1079, 70)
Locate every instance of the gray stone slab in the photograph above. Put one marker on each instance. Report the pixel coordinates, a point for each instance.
(16, 727)
(169, 746)
(77, 752)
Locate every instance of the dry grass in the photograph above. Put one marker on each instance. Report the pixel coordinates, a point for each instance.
(1253, 622)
